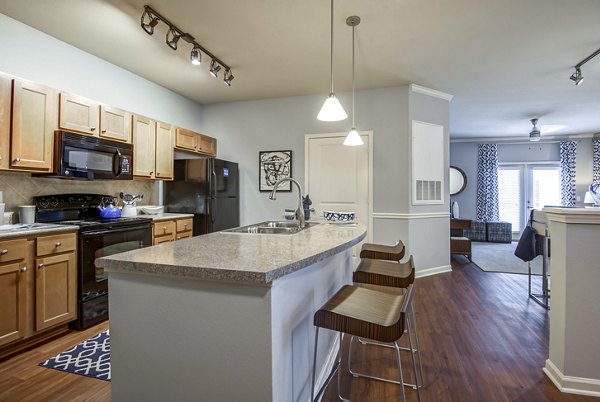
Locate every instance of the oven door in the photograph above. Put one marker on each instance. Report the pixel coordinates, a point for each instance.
(102, 243)
(84, 157)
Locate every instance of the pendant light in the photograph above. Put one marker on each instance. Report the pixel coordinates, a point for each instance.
(332, 109)
(353, 137)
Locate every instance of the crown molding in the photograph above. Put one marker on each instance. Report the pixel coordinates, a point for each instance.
(430, 92)
(524, 139)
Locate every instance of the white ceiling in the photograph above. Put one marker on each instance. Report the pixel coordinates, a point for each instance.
(504, 61)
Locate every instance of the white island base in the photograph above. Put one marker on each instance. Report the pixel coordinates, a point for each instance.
(181, 338)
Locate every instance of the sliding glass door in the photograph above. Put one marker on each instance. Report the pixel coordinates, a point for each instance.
(523, 187)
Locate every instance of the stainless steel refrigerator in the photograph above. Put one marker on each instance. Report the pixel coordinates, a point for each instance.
(207, 188)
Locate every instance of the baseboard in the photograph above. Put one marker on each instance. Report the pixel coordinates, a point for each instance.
(328, 366)
(572, 385)
(433, 271)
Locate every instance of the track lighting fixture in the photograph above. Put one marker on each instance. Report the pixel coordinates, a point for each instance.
(353, 137)
(196, 56)
(214, 68)
(174, 39)
(150, 18)
(228, 77)
(535, 134)
(576, 77)
(332, 109)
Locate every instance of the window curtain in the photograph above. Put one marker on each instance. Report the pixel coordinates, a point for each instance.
(597, 160)
(487, 183)
(568, 155)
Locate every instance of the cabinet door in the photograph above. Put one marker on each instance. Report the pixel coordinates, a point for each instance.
(78, 114)
(207, 145)
(115, 124)
(185, 139)
(55, 288)
(34, 119)
(5, 85)
(164, 151)
(143, 147)
(12, 302)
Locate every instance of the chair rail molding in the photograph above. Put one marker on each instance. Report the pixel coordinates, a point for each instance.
(420, 215)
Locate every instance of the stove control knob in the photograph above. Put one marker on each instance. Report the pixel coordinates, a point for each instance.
(44, 203)
(53, 201)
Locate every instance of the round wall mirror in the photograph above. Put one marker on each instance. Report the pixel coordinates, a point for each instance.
(458, 180)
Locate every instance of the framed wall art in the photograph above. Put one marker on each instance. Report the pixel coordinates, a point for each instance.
(274, 166)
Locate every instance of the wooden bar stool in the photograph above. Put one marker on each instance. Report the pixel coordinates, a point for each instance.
(365, 313)
(391, 274)
(382, 252)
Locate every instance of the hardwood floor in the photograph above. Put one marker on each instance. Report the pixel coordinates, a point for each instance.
(481, 339)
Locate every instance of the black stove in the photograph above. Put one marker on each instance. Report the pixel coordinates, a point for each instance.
(97, 237)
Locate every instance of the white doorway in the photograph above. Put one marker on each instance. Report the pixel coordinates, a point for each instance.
(526, 186)
(339, 177)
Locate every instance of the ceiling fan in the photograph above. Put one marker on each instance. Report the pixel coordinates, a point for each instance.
(535, 134)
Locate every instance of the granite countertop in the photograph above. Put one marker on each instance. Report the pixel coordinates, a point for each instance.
(238, 257)
(44, 229)
(165, 216)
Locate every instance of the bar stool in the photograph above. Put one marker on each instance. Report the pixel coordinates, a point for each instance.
(391, 274)
(382, 252)
(365, 313)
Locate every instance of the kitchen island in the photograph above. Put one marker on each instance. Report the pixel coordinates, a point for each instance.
(225, 316)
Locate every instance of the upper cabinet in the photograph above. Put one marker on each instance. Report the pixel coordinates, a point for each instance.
(78, 114)
(115, 124)
(34, 119)
(152, 149)
(164, 151)
(188, 140)
(5, 94)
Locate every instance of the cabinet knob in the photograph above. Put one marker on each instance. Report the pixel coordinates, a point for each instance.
(164, 228)
(157, 174)
(151, 173)
(17, 160)
(58, 244)
(103, 131)
(178, 237)
(5, 251)
(40, 266)
(24, 269)
(185, 225)
(93, 128)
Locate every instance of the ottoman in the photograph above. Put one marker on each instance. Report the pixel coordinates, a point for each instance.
(477, 231)
(499, 232)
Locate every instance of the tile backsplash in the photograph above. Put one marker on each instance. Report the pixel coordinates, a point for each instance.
(19, 188)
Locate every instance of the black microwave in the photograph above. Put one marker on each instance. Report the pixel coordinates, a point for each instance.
(80, 156)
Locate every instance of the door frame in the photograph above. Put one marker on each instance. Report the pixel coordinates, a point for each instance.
(367, 133)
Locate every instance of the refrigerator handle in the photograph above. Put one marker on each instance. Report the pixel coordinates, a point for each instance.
(214, 179)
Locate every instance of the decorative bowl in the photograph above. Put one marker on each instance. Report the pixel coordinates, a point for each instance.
(334, 216)
(152, 210)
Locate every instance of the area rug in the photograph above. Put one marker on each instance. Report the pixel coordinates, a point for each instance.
(500, 257)
(90, 358)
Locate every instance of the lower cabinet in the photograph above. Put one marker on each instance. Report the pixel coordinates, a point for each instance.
(38, 286)
(171, 230)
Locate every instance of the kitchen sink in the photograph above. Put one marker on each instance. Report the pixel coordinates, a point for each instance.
(272, 227)
(25, 226)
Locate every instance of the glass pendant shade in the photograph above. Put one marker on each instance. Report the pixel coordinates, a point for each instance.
(353, 138)
(332, 110)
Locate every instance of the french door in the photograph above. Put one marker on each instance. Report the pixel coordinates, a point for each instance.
(523, 187)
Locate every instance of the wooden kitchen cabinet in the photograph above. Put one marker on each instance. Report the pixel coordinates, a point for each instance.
(144, 149)
(34, 119)
(171, 230)
(78, 114)
(164, 151)
(5, 110)
(13, 290)
(55, 290)
(115, 124)
(188, 140)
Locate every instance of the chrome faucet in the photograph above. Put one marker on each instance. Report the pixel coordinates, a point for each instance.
(299, 211)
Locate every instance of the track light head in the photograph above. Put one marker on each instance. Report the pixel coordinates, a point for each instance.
(535, 134)
(196, 56)
(174, 38)
(228, 77)
(214, 68)
(148, 27)
(576, 76)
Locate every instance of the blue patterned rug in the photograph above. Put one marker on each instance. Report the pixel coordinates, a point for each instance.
(90, 358)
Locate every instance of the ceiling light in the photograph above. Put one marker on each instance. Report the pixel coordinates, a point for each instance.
(535, 134)
(576, 76)
(214, 68)
(228, 77)
(332, 109)
(174, 39)
(148, 27)
(150, 18)
(353, 137)
(196, 56)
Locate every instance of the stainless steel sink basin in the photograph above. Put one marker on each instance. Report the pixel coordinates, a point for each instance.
(25, 226)
(272, 227)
